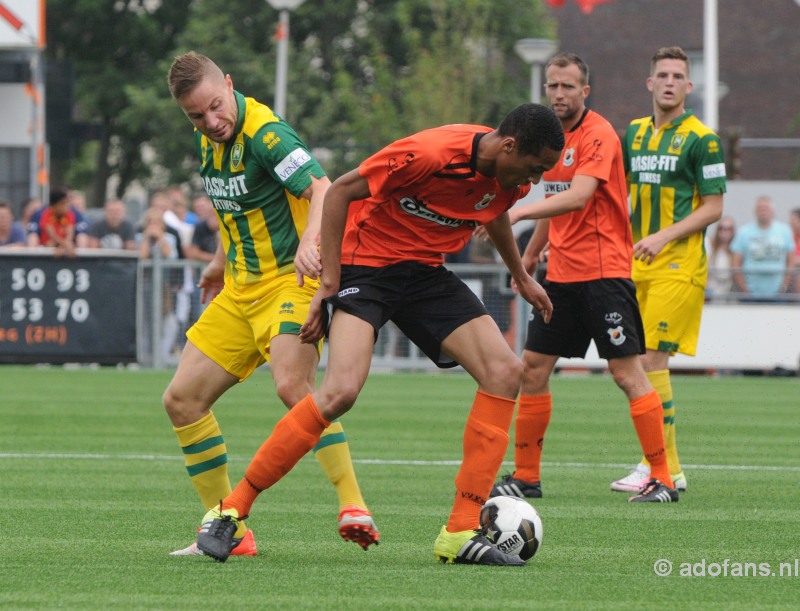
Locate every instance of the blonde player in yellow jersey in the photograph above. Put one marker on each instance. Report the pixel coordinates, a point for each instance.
(676, 173)
(267, 190)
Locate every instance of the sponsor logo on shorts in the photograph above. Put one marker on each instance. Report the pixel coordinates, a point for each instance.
(617, 335)
(613, 318)
(346, 292)
(663, 326)
(287, 307)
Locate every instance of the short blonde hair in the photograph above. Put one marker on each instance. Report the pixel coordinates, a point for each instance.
(188, 70)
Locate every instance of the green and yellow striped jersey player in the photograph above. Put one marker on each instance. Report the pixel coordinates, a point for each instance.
(256, 183)
(669, 170)
(676, 174)
(267, 190)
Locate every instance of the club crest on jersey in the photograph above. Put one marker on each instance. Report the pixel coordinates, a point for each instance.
(678, 140)
(616, 335)
(484, 203)
(237, 152)
(569, 157)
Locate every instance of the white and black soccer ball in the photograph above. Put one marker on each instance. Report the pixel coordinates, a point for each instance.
(513, 525)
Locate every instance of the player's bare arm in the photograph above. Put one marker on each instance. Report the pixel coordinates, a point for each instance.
(212, 276)
(500, 232)
(346, 189)
(536, 246)
(710, 211)
(307, 260)
(576, 197)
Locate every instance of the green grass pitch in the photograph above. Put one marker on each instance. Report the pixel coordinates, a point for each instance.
(94, 495)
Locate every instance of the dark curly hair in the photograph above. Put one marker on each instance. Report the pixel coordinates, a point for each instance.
(534, 127)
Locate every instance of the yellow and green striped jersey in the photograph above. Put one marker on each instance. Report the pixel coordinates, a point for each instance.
(256, 181)
(668, 171)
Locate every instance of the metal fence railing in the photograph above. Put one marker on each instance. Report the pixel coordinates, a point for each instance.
(168, 303)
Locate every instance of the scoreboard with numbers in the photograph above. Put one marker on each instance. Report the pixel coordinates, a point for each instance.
(59, 310)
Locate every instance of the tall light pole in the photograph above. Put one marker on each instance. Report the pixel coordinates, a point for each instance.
(535, 51)
(710, 65)
(282, 36)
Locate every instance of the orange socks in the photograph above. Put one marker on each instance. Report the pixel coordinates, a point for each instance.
(294, 435)
(485, 445)
(648, 419)
(533, 416)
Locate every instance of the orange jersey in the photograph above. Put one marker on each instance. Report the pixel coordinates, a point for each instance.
(595, 242)
(427, 198)
(59, 224)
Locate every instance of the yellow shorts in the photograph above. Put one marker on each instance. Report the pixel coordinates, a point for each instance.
(671, 313)
(237, 335)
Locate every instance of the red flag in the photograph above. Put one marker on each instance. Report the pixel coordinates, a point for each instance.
(6, 14)
(586, 6)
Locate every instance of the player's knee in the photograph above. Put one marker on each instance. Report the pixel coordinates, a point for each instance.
(503, 376)
(332, 402)
(180, 409)
(291, 391)
(632, 382)
(170, 401)
(536, 374)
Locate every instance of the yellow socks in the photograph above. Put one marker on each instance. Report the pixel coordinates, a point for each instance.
(206, 459)
(333, 454)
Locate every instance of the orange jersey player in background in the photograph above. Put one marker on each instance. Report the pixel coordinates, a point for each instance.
(585, 220)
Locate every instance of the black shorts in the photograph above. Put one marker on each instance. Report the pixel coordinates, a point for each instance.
(605, 311)
(426, 303)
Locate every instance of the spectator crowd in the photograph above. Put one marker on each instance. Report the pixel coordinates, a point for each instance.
(757, 262)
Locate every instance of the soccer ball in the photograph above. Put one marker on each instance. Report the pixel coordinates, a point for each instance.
(513, 525)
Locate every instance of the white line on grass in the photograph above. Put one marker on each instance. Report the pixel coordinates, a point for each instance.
(379, 461)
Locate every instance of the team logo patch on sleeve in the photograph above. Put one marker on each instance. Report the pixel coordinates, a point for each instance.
(291, 163)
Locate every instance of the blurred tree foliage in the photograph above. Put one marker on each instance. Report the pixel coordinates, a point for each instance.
(362, 73)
